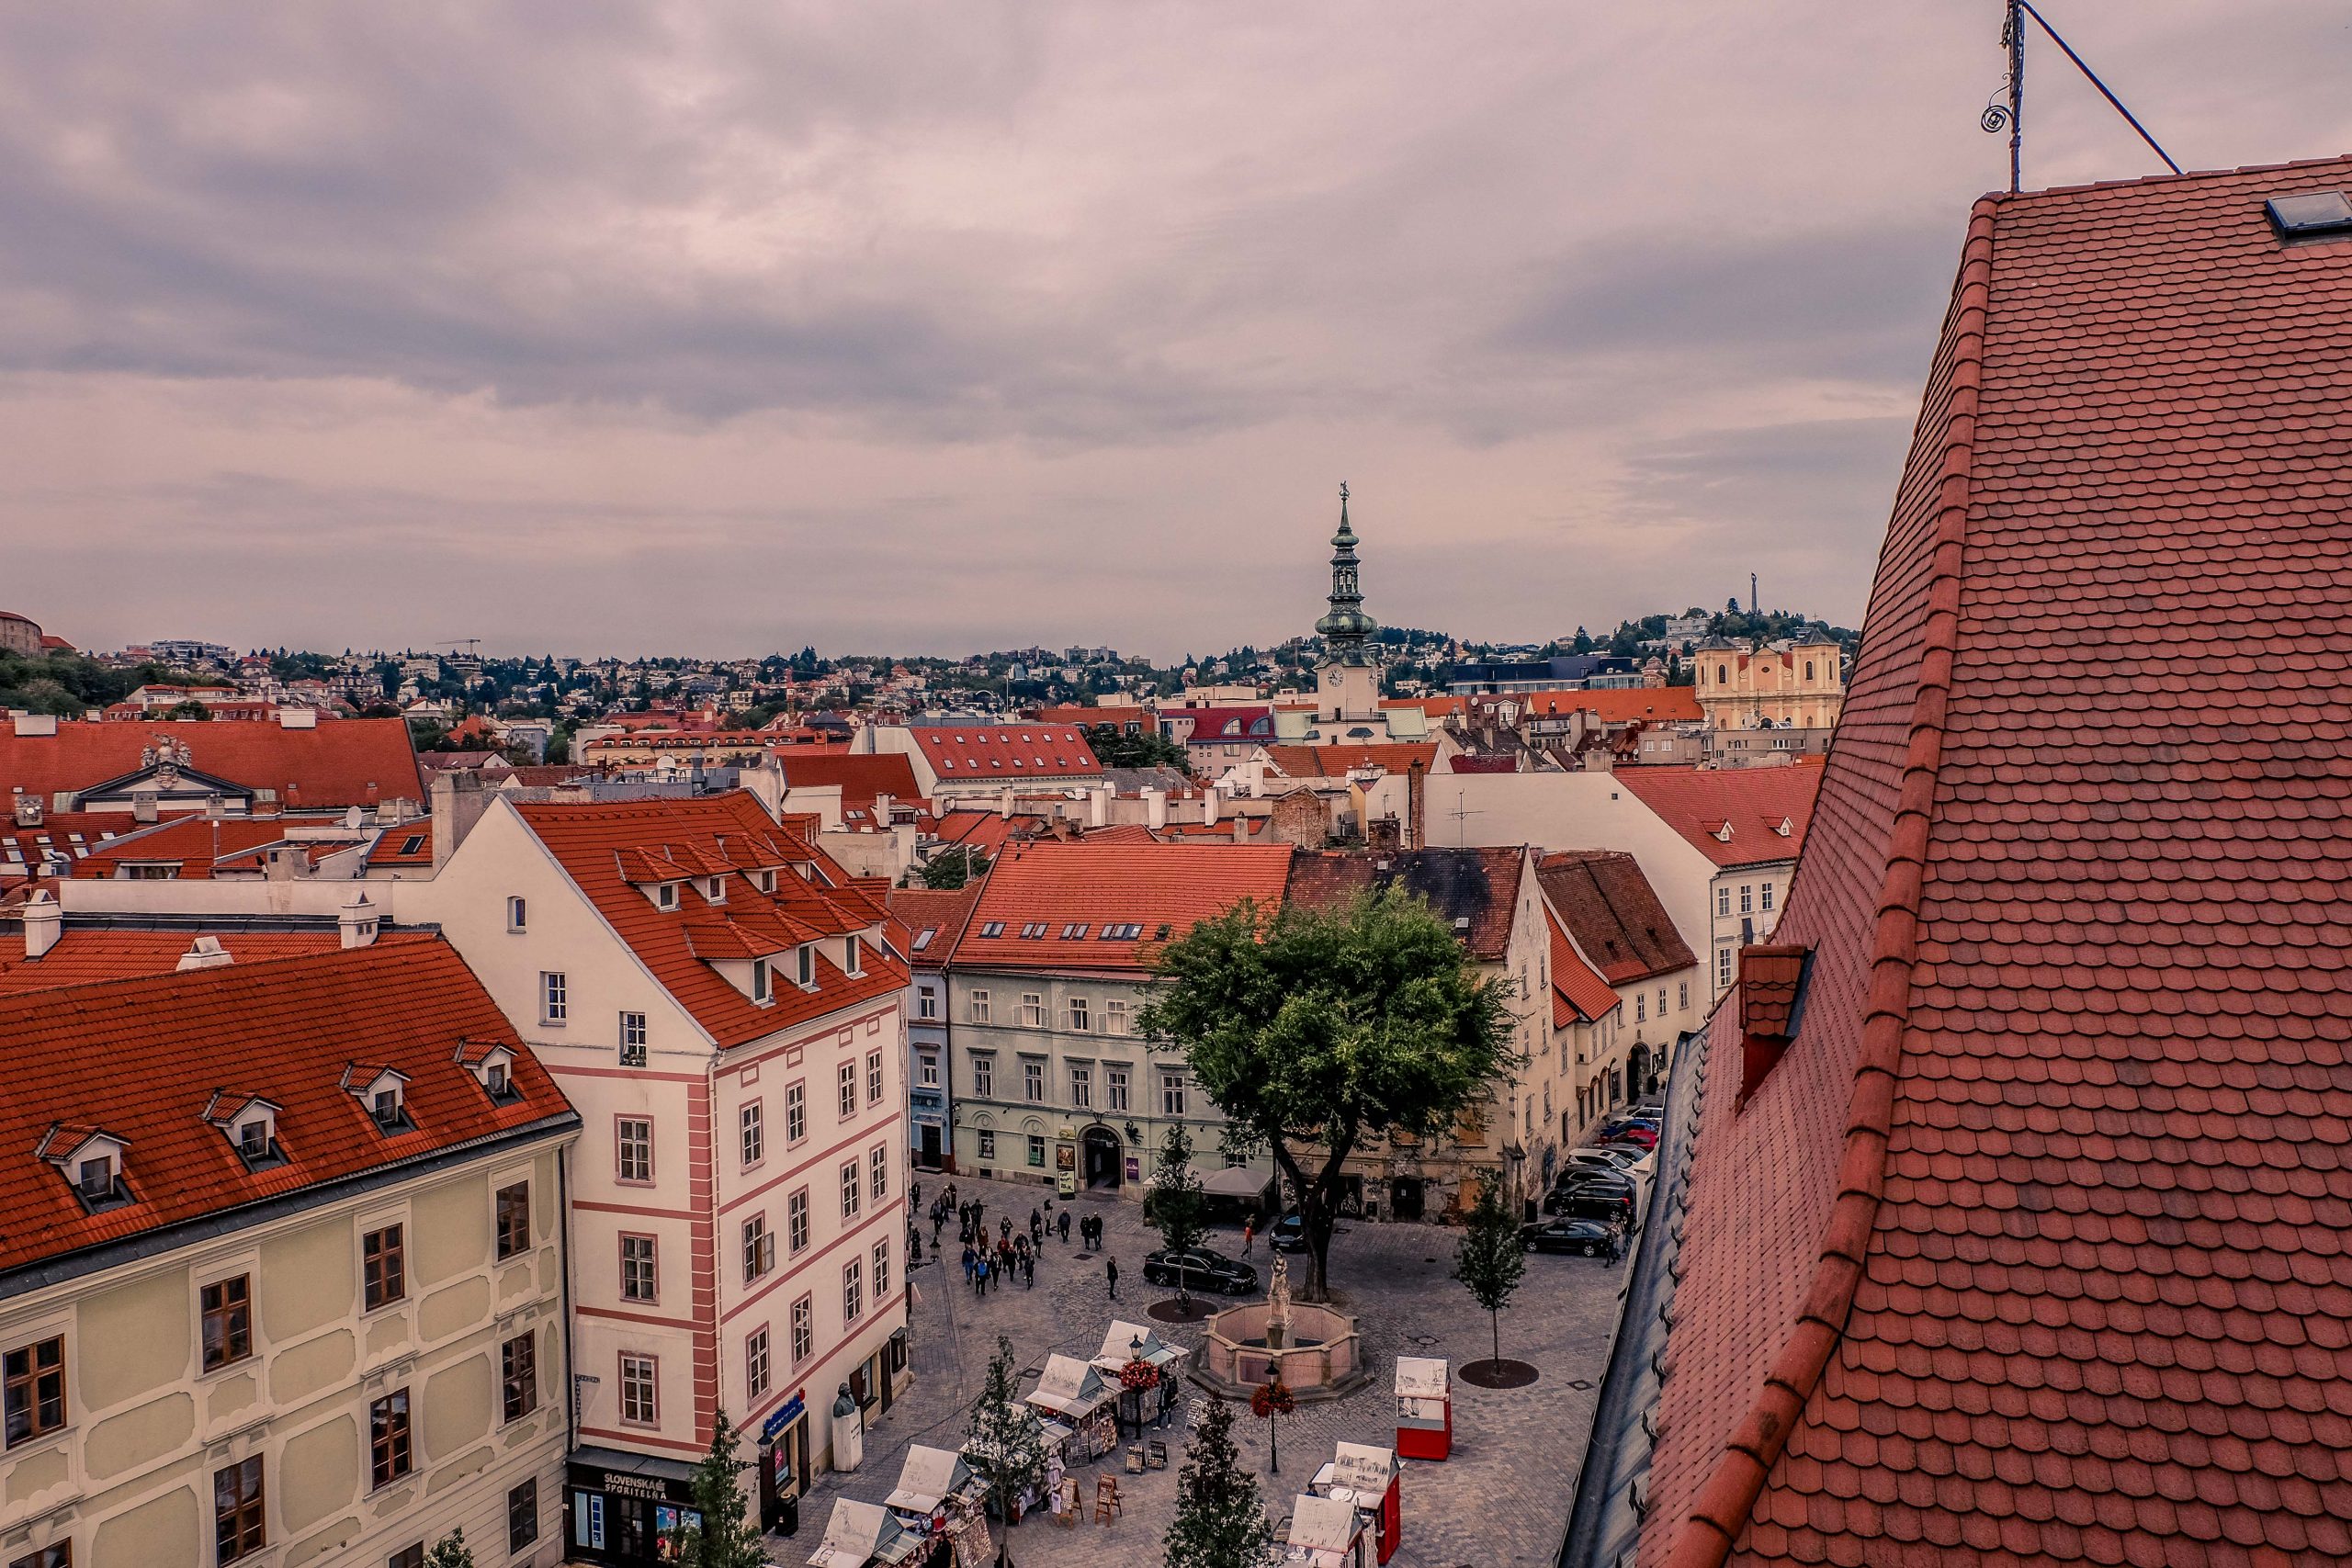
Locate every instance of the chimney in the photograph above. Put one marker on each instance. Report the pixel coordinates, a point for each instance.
(1409, 832)
(1098, 807)
(1004, 803)
(44, 923)
(27, 808)
(1210, 802)
(204, 952)
(357, 922)
(1771, 1007)
(882, 811)
(1155, 810)
(1240, 829)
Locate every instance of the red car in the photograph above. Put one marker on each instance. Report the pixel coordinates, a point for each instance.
(1634, 1135)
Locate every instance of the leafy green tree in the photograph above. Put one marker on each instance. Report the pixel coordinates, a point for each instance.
(451, 1552)
(1316, 1030)
(1003, 1442)
(1178, 1207)
(1490, 1261)
(953, 867)
(1114, 748)
(1220, 1519)
(727, 1536)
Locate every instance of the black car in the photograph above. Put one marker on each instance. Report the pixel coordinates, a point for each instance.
(1200, 1270)
(1591, 1203)
(1593, 1187)
(1590, 1237)
(1289, 1234)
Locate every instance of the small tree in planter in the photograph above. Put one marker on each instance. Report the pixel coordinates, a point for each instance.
(1267, 1402)
(1490, 1260)
(1220, 1519)
(1179, 1207)
(1003, 1442)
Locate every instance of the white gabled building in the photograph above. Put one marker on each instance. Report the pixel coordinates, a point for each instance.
(720, 1001)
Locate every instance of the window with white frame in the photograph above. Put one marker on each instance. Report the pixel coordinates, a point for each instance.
(804, 966)
(874, 1077)
(983, 1075)
(1641, 1006)
(927, 1001)
(633, 1139)
(849, 1189)
(987, 1141)
(1661, 1001)
(845, 1077)
(1747, 898)
(1171, 1094)
(1114, 1088)
(1079, 1020)
(1036, 1152)
(640, 1402)
(1723, 900)
(1081, 1085)
(1682, 990)
(755, 1363)
(759, 979)
(752, 1128)
(856, 964)
(554, 998)
(795, 1112)
(852, 1290)
(641, 1270)
(1767, 896)
(758, 1247)
(1033, 1079)
(804, 1329)
(927, 1069)
(1033, 1011)
(1722, 966)
(796, 1222)
(882, 1269)
(516, 913)
(632, 1032)
(979, 1007)
(1114, 1017)
(877, 1173)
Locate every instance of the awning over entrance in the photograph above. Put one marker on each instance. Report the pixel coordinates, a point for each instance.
(652, 1475)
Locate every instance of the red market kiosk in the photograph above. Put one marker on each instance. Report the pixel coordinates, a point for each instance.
(1424, 1408)
(1371, 1479)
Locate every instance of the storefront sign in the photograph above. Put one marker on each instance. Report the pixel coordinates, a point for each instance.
(619, 1485)
(783, 1415)
(1066, 1158)
(1135, 1168)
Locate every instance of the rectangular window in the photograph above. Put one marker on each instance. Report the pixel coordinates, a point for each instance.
(554, 1004)
(1081, 1087)
(1747, 898)
(514, 1219)
(1114, 1088)
(927, 1001)
(877, 1173)
(759, 979)
(927, 1070)
(752, 1136)
(383, 1267)
(640, 1401)
(852, 1290)
(1641, 1006)
(633, 1137)
(874, 1077)
(846, 1100)
(796, 1113)
(1171, 1094)
(228, 1321)
(882, 1269)
(758, 1249)
(1682, 990)
(979, 1007)
(1723, 967)
(804, 1329)
(1661, 1001)
(240, 1522)
(755, 1363)
(58, 1556)
(984, 1075)
(518, 1375)
(1723, 900)
(1079, 1020)
(516, 911)
(1767, 891)
(856, 964)
(988, 1144)
(796, 1221)
(36, 1384)
(409, 1556)
(804, 966)
(1033, 1080)
(849, 1189)
(1036, 1152)
(523, 1514)
(388, 1436)
(632, 1040)
(1033, 1011)
(641, 1273)
(1114, 1017)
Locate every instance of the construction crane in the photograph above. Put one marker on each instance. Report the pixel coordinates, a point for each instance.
(472, 645)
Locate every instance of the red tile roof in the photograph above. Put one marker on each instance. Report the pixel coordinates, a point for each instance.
(1732, 815)
(1622, 705)
(983, 830)
(67, 835)
(2030, 1248)
(935, 919)
(1476, 885)
(1163, 889)
(1254, 721)
(144, 1060)
(1614, 913)
(859, 778)
(86, 956)
(1000, 752)
(602, 847)
(1337, 761)
(1578, 991)
(195, 843)
(341, 763)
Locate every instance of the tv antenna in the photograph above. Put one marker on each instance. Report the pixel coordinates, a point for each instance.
(2007, 112)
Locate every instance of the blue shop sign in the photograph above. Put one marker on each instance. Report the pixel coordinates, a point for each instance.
(783, 1415)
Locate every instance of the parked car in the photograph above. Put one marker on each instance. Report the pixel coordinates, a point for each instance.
(1200, 1269)
(1613, 1156)
(1597, 1188)
(1584, 1205)
(1634, 1133)
(1590, 1237)
(1619, 1122)
(1288, 1234)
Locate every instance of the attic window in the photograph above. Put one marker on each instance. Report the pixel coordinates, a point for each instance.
(714, 889)
(413, 843)
(1034, 929)
(665, 895)
(1075, 932)
(923, 939)
(992, 927)
(856, 964)
(385, 1105)
(1724, 833)
(765, 880)
(1784, 828)
(2312, 215)
(97, 1181)
(805, 958)
(759, 979)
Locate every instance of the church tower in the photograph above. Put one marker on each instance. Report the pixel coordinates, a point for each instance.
(1348, 681)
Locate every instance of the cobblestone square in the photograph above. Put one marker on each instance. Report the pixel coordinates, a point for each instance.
(1500, 1502)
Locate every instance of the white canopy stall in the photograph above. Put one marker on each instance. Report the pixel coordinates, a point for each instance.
(1074, 1395)
(1326, 1532)
(863, 1535)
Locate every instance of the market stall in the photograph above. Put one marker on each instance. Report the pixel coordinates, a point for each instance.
(1371, 1479)
(1075, 1394)
(1326, 1532)
(927, 1479)
(1126, 1344)
(864, 1534)
(1424, 1408)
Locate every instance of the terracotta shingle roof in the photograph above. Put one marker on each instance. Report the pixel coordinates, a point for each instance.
(1337, 761)
(861, 778)
(343, 762)
(1005, 753)
(602, 846)
(2031, 1250)
(1617, 705)
(1578, 991)
(934, 920)
(85, 956)
(67, 835)
(1479, 885)
(1156, 887)
(1735, 817)
(1614, 913)
(142, 1060)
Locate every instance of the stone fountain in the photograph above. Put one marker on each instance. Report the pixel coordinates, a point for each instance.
(1311, 1348)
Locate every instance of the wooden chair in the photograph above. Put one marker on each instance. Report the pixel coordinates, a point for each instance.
(1107, 1505)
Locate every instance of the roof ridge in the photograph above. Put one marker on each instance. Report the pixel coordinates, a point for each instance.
(1721, 1508)
(2170, 177)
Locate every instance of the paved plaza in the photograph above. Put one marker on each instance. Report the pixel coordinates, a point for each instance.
(1500, 1502)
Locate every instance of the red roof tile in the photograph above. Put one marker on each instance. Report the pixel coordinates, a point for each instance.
(2030, 1247)
(1337, 761)
(1474, 890)
(602, 847)
(341, 763)
(1164, 889)
(1735, 817)
(935, 919)
(64, 835)
(144, 1059)
(1578, 991)
(859, 778)
(86, 956)
(1614, 915)
(1002, 753)
(1616, 705)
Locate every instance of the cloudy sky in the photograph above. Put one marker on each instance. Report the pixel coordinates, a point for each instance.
(708, 328)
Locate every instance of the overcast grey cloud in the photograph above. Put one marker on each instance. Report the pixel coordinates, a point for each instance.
(720, 328)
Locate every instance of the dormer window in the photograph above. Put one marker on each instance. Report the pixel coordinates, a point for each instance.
(493, 1068)
(384, 1091)
(250, 1123)
(805, 958)
(91, 1162)
(759, 979)
(666, 896)
(386, 1108)
(765, 879)
(95, 1179)
(856, 964)
(714, 889)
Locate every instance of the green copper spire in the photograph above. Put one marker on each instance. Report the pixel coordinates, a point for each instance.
(1346, 627)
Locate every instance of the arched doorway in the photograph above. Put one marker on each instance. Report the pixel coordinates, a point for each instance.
(1637, 1069)
(1103, 1152)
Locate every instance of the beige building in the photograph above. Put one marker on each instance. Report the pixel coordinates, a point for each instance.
(1796, 684)
(283, 1273)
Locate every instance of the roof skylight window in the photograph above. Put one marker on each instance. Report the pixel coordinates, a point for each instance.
(2311, 214)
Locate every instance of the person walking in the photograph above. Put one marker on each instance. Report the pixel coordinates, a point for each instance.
(1028, 1270)
(1063, 1221)
(1111, 1272)
(1036, 1226)
(914, 1193)
(1004, 1228)
(980, 1275)
(1249, 1234)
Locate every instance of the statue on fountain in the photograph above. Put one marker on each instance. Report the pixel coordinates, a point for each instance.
(1278, 1304)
